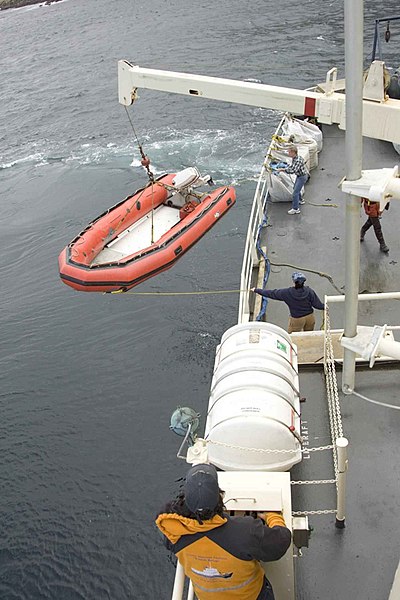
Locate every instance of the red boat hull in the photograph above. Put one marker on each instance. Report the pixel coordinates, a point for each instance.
(75, 260)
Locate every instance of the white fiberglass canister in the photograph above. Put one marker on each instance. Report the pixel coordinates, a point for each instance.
(254, 403)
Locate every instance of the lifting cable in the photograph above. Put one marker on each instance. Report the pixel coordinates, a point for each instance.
(145, 162)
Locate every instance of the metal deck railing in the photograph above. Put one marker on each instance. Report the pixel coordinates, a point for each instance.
(250, 255)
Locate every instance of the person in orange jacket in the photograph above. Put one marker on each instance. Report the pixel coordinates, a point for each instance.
(219, 553)
(373, 212)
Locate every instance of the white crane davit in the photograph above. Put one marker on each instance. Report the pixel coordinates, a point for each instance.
(381, 116)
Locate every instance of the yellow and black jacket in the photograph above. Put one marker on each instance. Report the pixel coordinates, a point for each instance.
(221, 556)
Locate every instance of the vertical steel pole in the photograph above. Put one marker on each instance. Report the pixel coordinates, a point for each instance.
(341, 449)
(354, 90)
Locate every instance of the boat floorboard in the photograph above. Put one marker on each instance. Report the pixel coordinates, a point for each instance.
(141, 235)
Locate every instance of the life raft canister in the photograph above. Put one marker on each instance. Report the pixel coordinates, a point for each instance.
(187, 209)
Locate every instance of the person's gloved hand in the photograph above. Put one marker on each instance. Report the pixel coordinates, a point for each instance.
(273, 519)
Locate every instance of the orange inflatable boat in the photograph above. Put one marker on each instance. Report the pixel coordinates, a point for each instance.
(144, 234)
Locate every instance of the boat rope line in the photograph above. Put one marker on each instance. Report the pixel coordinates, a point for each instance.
(129, 208)
(166, 186)
(264, 302)
(323, 205)
(145, 159)
(375, 401)
(315, 271)
(111, 233)
(113, 230)
(152, 211)
(268, 264)
(205, 292)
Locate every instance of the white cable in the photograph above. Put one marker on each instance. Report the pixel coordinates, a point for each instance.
(375, 401)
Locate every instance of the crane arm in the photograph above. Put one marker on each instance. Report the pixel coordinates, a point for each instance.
(381, 120)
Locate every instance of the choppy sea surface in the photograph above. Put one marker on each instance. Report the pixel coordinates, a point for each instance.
(89, 381)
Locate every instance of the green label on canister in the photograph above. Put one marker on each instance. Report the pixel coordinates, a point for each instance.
(281, 346)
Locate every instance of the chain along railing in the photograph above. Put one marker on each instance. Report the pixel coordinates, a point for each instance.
(335, 417)
(339, 443)
(269, 450)
(290, 451)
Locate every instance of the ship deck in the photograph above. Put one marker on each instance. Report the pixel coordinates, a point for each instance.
(360, 560)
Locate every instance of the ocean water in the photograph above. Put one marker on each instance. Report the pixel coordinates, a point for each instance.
(89, 381)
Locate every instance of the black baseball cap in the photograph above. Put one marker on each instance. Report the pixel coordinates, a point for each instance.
(201, 488)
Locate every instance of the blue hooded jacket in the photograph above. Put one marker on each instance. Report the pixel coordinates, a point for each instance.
(300, 301)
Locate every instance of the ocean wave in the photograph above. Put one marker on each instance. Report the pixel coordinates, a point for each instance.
(28, 7)
(227, 154)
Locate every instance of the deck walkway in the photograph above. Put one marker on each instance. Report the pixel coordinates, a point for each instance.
(313, 242)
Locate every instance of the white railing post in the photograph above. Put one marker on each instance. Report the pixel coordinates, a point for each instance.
(253, 252)
(326, 309)
(395, 591)
(179, 582)
(259, 203)
(341, 449)
(190, 595)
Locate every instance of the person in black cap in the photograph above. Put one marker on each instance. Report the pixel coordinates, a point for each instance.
(220, 553)
(300, 299)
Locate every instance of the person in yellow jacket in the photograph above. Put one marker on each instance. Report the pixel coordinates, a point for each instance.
(220, 553)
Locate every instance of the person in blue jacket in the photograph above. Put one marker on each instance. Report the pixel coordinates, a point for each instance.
(301, 301)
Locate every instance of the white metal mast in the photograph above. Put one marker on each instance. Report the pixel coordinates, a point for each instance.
(353, 24)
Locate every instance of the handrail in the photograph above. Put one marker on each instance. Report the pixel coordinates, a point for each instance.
(250, 255)
(179, 582)
(376, 296)
(179, 585)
